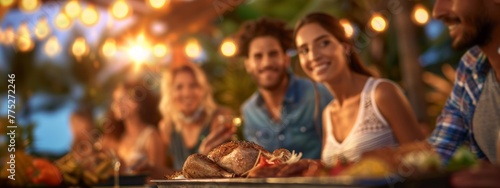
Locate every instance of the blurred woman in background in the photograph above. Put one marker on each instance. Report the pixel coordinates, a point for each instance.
(367, 112)
(192, 122)
(131, 131)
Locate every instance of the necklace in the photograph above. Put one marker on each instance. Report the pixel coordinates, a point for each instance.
(190, 119)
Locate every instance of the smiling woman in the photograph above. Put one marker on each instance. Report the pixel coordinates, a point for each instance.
(367, 113)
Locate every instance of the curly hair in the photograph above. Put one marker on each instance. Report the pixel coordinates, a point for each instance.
(263, 27)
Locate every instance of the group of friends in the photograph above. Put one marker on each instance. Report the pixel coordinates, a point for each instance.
(341, 110)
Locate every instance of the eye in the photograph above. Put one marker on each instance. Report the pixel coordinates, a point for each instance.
(324, 43)
(303, 51)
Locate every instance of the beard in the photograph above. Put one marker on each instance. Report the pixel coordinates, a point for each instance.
(478, 30)
(270, 85)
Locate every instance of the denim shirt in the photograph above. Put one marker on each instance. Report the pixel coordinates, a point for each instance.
(454, 126)
(297, 130)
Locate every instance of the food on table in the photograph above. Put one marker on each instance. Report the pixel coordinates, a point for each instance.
(237, 157)
(368, 168)
(89, 170)
(461, 159)
(199, 166)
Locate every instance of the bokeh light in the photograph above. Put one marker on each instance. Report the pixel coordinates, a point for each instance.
(158, 4)
(160, 50)
(79, 47)
(228, 48)
(62, 21)
(420, 15)
(120, 9)
(109, 48)
(89, 16)
(29, 5)
(52, 46)
(193, 49)
(348, 28)
(42, 28)
(73, 8)
(378, 23)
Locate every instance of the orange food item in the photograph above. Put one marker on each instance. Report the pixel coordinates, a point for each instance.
(44, 172)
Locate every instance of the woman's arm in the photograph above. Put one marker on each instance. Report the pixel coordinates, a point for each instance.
(396, 109)
(165, 130)
(156, 156)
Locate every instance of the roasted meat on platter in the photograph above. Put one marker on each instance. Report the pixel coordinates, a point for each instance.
(247, 159)
(199, 166)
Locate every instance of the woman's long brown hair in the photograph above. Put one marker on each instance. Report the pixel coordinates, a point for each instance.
(333, 26)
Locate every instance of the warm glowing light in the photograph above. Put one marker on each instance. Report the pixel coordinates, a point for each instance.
(89, 16)
(158, 4)
(348, 28)
(29, 5)
(109, 48)
(79, 47)
(6, 3)
(23, 41)
(9, 36)
(420, 15)
(378, 23)
(52, 46)
(228, 48)
(73, 9)
(139, 51)
(62, 21)
(42, 28)
(193, 49)
(120, 9)
(160, 50)
(237, 121)
(2, 36)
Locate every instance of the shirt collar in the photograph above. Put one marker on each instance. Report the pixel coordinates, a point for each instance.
(291, 91)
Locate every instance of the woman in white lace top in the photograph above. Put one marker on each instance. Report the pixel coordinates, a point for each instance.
(367, 113)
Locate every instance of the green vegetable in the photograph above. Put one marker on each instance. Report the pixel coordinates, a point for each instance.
(462, 158)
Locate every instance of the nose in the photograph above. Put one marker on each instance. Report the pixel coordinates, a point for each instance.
(441, 8)
(313, 54)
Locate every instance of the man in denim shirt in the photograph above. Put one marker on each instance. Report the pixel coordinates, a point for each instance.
(283, 112)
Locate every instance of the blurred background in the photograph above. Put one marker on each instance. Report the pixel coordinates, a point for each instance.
(68, 53)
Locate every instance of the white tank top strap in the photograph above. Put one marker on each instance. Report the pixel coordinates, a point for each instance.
(370, 131)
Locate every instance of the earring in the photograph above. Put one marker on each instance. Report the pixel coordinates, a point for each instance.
(348, 57)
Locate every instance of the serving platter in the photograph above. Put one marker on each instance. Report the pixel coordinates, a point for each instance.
(313, 182)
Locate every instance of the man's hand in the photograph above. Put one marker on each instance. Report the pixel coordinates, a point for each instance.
(486, 175)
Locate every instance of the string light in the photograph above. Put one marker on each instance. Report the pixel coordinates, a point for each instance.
(42, 28)
(139, 51)
(378, 23)
(228, 48)
(73, 9)
(79, 47)
(109, 48)
(9, 36)
(89, 16)
(24, 42)
(420, 15)
(120, 9)
(6, 3)
(193, 49)
(348, 28)
(62, 21)
(160, 50)
(158, 4)
(29, 5)
(52, 46)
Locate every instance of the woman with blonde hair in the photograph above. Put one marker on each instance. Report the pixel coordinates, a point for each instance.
(192, 122)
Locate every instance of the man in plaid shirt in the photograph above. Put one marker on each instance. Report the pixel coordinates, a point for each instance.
(471, 114)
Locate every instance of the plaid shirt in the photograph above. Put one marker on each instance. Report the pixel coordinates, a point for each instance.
(454, 125)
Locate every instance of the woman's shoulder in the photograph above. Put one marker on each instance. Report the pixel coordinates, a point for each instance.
(385, 89)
